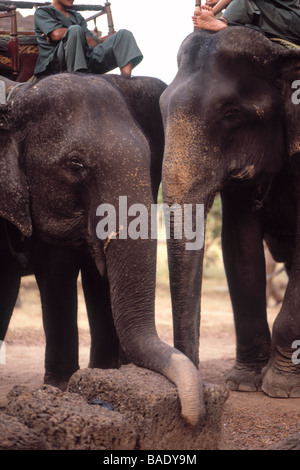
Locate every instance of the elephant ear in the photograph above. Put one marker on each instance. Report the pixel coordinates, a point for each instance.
(291, 87)
(14, 193)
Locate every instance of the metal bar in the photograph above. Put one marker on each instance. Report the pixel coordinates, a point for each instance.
(7, 5)
(88, 7)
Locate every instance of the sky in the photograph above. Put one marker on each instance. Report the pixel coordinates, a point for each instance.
(159, 27)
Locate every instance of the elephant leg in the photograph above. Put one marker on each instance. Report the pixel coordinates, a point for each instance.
(10, 277)
(56, 275)
(104, 340)
(243, 253)
(9, 288)
(282, 375)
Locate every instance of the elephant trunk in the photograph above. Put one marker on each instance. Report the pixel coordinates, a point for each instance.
(132, 281)
(185, 269)
(193, 198)
(186, 377)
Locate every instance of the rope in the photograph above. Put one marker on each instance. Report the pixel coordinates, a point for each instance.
(285, 43)
(6, 5)
(13, 89)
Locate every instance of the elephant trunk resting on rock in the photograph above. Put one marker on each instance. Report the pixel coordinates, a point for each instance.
(231, 123)
(71, 147)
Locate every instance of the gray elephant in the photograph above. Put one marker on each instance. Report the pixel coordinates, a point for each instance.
(73, 147)
(232, 126)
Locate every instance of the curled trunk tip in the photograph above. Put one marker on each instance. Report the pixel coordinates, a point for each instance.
(182, 372)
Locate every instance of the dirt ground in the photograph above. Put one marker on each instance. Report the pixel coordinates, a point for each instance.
(251, 421)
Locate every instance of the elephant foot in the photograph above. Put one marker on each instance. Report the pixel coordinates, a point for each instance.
(60, 382)
(281, 381)
(244, 378)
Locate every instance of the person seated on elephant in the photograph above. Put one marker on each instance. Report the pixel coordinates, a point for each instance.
(66, 44)
(277, 18)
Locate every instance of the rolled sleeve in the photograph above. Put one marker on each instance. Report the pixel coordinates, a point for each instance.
(45, 22)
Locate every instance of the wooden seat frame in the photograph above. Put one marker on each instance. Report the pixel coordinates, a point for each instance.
(18, 62)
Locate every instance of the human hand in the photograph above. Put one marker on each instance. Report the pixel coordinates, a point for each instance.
(46, 37)
(211, 3)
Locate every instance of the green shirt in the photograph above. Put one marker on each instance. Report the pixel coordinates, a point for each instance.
(280, 18)
(46, 20)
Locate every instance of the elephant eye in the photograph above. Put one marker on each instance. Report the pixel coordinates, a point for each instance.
(75, 162)
(231, 119)
(229, 115)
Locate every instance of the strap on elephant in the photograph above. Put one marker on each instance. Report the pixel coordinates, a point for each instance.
(11, 90)
(285, 43)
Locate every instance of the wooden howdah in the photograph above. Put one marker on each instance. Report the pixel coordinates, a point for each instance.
(19, 49)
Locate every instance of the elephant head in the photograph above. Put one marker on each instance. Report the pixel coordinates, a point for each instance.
(72, 145)
(230, 122)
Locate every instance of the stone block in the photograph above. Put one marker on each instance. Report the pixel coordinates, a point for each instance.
(66, 422)
(17, 436)
(139, 410)
(150, 403)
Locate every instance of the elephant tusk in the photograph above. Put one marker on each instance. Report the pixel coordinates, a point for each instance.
(110, 236)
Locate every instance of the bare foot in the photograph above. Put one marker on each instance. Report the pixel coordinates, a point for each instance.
(198, 10)
(126, 70)
(206, 7)
(205, 19)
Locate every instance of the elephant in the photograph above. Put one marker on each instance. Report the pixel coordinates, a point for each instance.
(72, 146)
(231, 125)
(56, 270)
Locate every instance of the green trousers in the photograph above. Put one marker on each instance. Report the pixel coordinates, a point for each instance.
(276, 17)
(73, 53)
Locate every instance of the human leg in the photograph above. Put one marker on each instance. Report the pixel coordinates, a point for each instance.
(263, 14)
(119, 50)
(238, 11)
(241, 12)
(72, 52)
(126, 70)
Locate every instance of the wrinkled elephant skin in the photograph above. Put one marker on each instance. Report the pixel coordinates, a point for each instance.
(231, 124)
(79, 143)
